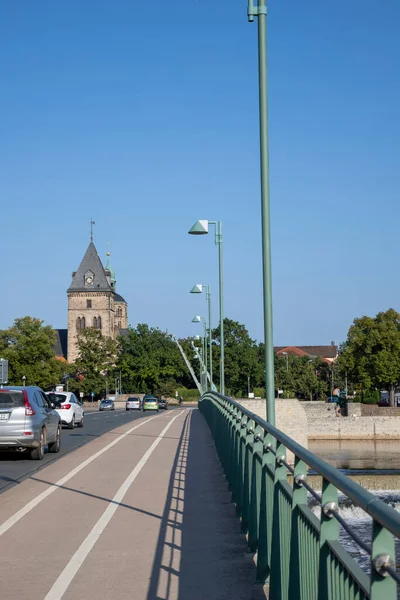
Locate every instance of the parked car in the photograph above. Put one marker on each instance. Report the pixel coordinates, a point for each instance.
(150, 403)
(68, 407)
(162, 403)
(28, 422)
(107, 405)
(384, 402)
(133, 403)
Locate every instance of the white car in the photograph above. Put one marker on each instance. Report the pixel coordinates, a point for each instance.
(68, 407)
(133, 403)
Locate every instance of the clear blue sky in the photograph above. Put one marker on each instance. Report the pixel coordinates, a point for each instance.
(144, 115)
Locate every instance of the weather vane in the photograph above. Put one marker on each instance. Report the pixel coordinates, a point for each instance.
(91, 228)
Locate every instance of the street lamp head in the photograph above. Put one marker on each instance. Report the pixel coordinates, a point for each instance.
(199, 228)
(197, 289)
(196, 319)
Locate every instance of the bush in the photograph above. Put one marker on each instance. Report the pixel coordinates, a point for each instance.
(188, 395)
(371, 397)
(259, 392)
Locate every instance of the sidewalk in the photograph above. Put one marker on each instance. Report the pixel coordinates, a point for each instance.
(150, 518)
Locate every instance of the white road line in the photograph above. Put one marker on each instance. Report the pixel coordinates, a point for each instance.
(64, 580)
(55, 486)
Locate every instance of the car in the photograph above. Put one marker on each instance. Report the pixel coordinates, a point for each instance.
(150, 403)
(162, 403)
(106, 405)
(28, 422)
(384, 402)
(133, 403)
(68, 407)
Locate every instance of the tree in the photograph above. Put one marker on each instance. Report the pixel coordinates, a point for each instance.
(242, 359)
(96, 360)
(29, 347)
(150, 361)
(371, 353)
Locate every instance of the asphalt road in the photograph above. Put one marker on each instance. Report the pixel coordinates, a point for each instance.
(141, 512)
(15, 467)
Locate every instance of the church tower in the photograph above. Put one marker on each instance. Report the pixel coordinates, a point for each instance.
(92, 301)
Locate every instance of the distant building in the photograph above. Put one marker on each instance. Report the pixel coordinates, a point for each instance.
(92, 302)
(327, 353)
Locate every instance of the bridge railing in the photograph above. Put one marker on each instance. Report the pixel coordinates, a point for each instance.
(300, 555)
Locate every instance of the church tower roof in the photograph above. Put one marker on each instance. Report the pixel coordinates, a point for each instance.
(90, 274)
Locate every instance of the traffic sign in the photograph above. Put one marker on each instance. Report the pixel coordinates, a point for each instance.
(3, 370)
(81, 394)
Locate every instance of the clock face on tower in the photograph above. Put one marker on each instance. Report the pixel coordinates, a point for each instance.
(88, 278)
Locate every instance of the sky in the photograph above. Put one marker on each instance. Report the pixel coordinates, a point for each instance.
(144, 117)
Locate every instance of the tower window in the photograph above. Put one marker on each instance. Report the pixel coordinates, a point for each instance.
(97, 322)
(80, 323)
(88, 304)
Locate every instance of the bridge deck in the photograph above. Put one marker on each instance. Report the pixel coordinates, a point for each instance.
(141, 512)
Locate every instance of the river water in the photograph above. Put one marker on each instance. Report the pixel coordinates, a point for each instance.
(370, 455)
(380, 460)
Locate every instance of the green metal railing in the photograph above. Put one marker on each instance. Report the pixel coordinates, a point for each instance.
(299, 555)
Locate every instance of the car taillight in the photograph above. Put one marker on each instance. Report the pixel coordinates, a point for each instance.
(29, 412)
(66, 406)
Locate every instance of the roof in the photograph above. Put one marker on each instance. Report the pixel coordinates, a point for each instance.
(119, 298)
(90, 262)
(323, 351)
(61, 345)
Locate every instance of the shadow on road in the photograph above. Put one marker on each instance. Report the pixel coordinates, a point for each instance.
(200, 551)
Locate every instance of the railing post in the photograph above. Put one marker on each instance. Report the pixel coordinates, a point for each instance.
(279, 581)
(247, 475)
(296, 543)
(236, 455)
(329, 531)
(255, 490)
(241, 465)
(266, 510)
(383, 587)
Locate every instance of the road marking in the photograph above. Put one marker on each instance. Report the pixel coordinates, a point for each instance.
(65, 578)
(55, 486)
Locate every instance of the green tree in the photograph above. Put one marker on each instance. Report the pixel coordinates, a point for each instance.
(29, 347)
(97, 355)
(242, 360)
(150, 361)
(371, 353)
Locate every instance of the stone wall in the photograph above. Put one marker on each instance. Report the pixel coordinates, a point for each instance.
(364, 421)
(290, 417)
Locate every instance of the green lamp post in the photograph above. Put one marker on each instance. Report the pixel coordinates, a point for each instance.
(198, 289)
(198, 319)
(201, 228)
(260, 11)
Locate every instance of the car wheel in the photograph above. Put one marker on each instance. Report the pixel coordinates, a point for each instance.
(38, 453)
(80, 424)
(72, 424)
(54, 447)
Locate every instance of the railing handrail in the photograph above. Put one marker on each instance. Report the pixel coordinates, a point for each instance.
(376, 508)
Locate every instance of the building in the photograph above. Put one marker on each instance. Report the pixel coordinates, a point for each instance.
(327, 353)
(92, 302)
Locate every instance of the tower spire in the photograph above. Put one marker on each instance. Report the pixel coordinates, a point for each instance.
(91, 228)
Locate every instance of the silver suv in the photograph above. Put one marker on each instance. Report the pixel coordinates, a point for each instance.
(28, 421)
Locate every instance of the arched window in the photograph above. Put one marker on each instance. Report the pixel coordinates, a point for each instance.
(80, 323)
(119, 312)
(119, 324)
(97, 322)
